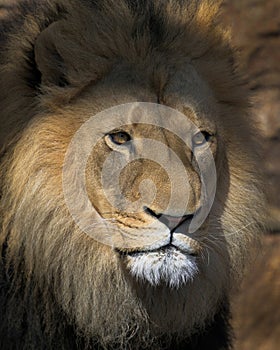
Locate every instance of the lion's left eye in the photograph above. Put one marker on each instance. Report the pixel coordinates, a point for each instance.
(201, 138)
(120, 137)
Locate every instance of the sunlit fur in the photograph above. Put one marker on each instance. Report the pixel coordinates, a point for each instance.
(52, 273)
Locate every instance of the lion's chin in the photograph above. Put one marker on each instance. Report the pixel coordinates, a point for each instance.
(168, 266)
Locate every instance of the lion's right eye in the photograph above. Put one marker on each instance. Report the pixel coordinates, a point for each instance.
(120, 137)
(201, 138)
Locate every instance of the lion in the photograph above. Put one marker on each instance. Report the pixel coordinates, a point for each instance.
(131, 194)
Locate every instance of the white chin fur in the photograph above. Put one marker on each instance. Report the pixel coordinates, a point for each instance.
(170, 267)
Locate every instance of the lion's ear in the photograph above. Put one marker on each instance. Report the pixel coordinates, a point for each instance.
(48, 57)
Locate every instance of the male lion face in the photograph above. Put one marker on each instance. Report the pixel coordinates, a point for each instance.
(143, 176)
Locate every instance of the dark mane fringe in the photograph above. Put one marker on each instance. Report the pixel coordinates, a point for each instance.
(19, 71)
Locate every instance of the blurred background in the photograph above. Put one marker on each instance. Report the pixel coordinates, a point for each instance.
(256, 33)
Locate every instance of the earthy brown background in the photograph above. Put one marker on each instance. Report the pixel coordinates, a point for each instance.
(256, 32)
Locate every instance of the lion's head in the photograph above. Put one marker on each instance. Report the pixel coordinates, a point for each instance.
(130, 187)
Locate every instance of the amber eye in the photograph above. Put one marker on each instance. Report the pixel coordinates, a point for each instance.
(201, 138)
(120, 137)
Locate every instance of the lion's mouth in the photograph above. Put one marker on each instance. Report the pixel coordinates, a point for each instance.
(167, 250)
(168, 266)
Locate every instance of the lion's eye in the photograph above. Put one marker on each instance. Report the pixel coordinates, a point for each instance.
(201, 138)
(120, 137)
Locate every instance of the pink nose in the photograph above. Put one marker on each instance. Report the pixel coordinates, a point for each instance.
(170, 221)
(173, 221)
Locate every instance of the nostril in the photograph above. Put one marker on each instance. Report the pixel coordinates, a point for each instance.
(151, 212)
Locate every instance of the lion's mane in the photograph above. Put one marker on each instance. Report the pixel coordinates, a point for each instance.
(60, 288)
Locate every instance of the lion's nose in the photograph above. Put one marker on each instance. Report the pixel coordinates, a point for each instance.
(170, 221)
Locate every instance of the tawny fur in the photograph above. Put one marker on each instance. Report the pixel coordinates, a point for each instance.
(59, 285)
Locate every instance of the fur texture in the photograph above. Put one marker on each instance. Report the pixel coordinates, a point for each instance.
(61, 62)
